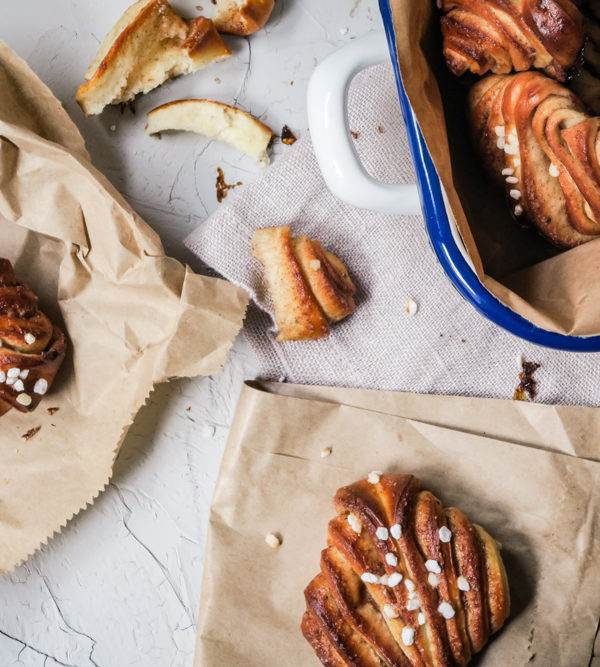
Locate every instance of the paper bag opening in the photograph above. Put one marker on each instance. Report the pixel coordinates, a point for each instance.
(555, 290)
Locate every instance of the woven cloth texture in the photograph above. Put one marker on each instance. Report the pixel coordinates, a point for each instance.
(447, 347)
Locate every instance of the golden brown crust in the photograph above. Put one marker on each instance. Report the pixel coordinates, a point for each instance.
(149, 45)
(356, 618)
(31, 348)
(536, 139)
(337, 638)
(327, 278)
(496, 579)
(505, 35)
(242, 17)
(204, 40)
(309, 287)
(316, 635)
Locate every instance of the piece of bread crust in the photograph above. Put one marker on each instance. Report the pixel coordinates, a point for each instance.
(310, 288)
(149, 45)
(215, 120)
(242, 17)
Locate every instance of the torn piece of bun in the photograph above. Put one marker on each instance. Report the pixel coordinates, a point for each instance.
(215, 120)
(149, 45)
(310, 288)
(242, 17)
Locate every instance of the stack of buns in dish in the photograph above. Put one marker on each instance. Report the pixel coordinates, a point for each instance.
(533, 134)
(31, 347)
(310, 287)
(404, 581)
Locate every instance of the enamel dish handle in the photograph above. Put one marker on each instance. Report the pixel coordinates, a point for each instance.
(328, 121)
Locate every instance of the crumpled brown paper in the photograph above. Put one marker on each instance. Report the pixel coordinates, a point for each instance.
(556, 291)
(540, 503)
(133, 316)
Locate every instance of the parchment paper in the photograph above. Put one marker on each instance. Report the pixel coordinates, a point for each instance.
(133, 316)
(541, 504)
(557, 291)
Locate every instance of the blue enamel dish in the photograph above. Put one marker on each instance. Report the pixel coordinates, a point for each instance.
(444, 243)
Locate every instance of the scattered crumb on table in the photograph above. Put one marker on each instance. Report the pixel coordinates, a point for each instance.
(32, 431)
(223, 187)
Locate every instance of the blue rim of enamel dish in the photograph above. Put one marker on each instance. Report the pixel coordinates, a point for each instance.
(444, 244)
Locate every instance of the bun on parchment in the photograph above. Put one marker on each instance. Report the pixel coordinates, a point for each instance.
(404, 581)
(310, 287)
(149, 45)
(242, 17)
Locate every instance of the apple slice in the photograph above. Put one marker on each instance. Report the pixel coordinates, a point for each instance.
(214, 120)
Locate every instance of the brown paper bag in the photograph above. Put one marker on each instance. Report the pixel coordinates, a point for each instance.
(565, 429)
(556, 291)
(542, 505)
(133, 316)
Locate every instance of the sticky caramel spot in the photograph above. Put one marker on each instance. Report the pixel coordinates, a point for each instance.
(527, 388)
(222, 187)
(287, 136)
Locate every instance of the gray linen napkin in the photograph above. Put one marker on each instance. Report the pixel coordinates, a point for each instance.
(447, 347)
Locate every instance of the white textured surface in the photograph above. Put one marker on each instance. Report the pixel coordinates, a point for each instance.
(120, 585)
